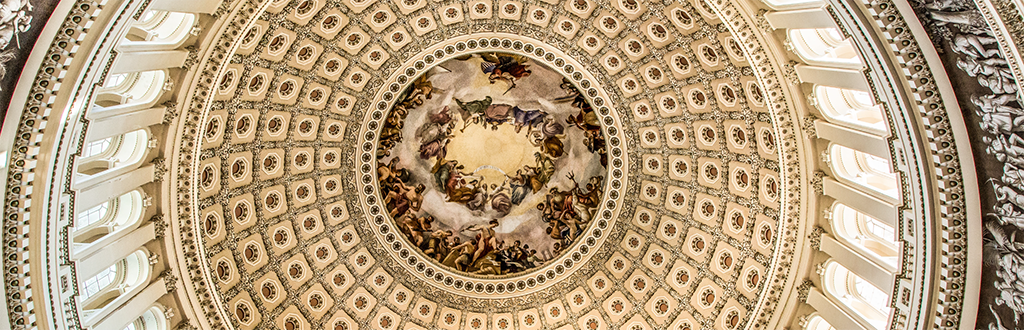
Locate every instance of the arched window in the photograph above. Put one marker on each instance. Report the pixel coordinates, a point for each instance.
(159, 30)
(97, 147)
(116, 214)
(101, 281)
(854, 109)
(113, 152)
(121, 278)
(869, 235)
(859, 296)
(816, 322)
(152, 319)
(136, 90)
(115, 79)
(825, 47)
(91, 216)
(863, 170)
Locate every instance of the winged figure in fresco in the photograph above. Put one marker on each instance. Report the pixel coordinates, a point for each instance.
(506, 67)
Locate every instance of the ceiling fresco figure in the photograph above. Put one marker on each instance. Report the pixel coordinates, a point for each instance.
(496, 175)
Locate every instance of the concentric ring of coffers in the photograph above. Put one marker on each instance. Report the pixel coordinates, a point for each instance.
(696, 156)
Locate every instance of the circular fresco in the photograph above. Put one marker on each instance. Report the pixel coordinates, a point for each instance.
(491, 163)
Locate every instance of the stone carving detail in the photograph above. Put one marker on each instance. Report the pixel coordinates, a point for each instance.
(771, 76)
(815, 237)
(170, 280)
(160, 225)
(17, 20)
(193, 54)
(817, 182)
(981, 50)
(808, 126)
(762, 23)
(803, 289)
(22, 165)
(159, 168)
(170, 112)
(789, 71)
(186, 325)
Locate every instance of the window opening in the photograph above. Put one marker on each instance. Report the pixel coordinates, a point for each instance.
(97, 147)
(92, 215)
(99, 282)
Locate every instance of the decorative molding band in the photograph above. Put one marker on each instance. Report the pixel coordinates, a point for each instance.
(786, 122)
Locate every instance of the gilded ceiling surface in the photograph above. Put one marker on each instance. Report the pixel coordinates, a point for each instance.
(637, 157)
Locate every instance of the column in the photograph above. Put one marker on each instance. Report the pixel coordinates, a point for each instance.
(92, 262)
(883, 210)
(832, 77)
(865, 142)
(100, 112)
(148, 61)
(97, 190)
(811, 18)
(132, 309)
(117, 124)
(186, 6)
(831, 312)
(794, 4)
(881, 277)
